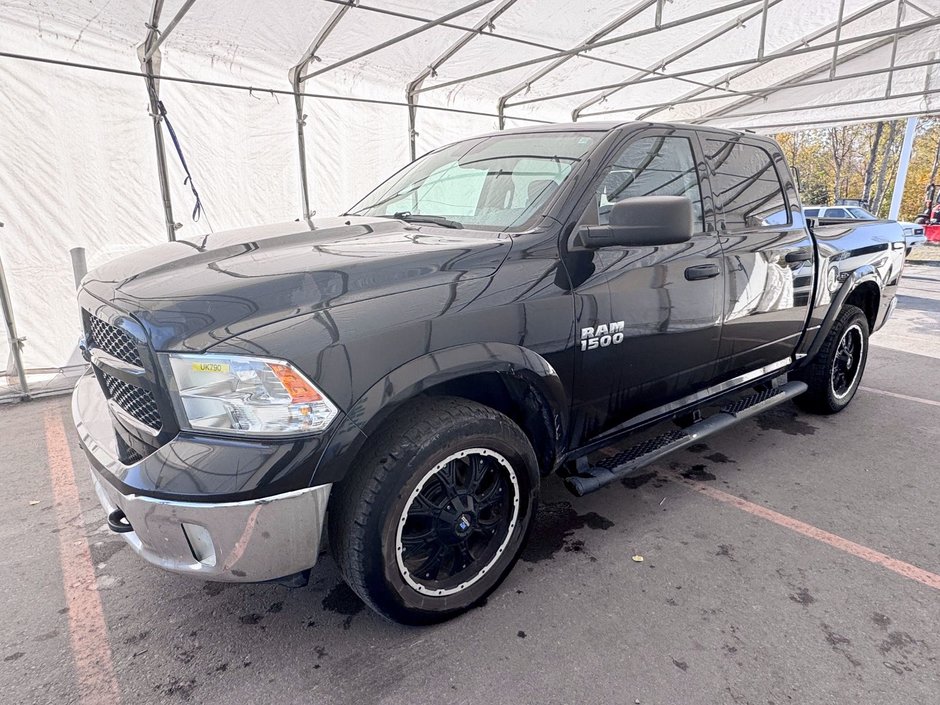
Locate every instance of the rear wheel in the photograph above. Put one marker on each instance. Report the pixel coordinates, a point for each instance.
(834, 374)
(438, 511)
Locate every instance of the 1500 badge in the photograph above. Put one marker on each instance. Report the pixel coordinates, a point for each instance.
(604, 335)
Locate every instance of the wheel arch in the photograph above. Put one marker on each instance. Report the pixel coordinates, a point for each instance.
(866, 296)
(861, 285)
(509, 378)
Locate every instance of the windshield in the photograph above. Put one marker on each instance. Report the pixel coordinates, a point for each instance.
(489, 183)
(861, 214)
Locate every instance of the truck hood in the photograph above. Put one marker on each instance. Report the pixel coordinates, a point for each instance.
(191, 295)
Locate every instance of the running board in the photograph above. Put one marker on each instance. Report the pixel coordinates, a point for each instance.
(629, 461)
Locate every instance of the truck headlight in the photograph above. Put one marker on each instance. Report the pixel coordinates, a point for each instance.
(248, 395)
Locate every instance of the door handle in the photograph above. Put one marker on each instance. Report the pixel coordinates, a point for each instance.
(798, 256)
(702, 271)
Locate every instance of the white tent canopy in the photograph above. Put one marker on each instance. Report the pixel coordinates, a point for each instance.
(381, 81)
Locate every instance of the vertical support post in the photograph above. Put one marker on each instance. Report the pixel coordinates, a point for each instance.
(16, 342)
(413, 119)
(149, 55)
(79, 265)
(301, 141)
(835, 48)
(904, 161)
(296, 77)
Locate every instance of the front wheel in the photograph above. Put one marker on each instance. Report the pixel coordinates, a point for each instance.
(834, 374)
(437, 513)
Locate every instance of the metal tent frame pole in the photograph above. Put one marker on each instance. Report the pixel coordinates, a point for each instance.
(654, 108)
(617, 23)
(301, 119)
(556, 51)
(150, 57)
(768, 58)
(907, 146)
(431, 70)
(692, 96)
(431, 24)
(797, 80)
(16, 342)
(681, 52)
(600, 43)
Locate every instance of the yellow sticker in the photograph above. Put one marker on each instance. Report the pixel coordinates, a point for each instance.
(217, 367)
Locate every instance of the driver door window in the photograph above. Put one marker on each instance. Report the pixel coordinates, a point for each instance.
(652, 166)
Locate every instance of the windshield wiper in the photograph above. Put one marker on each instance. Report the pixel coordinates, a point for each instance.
(410, 217)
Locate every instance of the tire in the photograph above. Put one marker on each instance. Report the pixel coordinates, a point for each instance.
(446, 475)
(835, 372)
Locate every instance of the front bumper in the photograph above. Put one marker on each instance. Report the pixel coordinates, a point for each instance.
(234, 541)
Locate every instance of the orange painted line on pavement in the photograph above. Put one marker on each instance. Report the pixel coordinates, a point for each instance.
(900, 567)
(88, 632)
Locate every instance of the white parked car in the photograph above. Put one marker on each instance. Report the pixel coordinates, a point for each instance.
(913, 232)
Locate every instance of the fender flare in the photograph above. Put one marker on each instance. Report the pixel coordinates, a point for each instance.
(422, 373)
(865, 273)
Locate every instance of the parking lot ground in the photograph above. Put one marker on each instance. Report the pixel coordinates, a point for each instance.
(793, 559)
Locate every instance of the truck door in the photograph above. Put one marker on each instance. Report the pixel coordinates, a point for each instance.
(768, 253)
(649, 318)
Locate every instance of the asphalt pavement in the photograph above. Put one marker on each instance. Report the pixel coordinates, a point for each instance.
(792, 559)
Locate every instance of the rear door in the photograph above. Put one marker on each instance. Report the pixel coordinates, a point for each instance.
(649, 318)
(767, 252)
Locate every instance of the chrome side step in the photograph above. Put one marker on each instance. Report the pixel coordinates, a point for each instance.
(629, 461)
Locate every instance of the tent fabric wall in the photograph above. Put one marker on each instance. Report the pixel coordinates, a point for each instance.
(77, 158)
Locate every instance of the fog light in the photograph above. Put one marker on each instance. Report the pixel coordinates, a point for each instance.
(200, 543)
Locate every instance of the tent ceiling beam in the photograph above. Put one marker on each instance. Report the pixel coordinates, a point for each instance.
(618, 22)
(683, 51)
(431, 69)
(658, 107)
(799, 78)
(431, 24)
(894, 48)
(602, 42)
(838, 38)
(763, 30)
(885, 33)
(557, 51)
(732, 75)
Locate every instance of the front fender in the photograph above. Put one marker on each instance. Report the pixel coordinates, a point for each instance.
(423, 373)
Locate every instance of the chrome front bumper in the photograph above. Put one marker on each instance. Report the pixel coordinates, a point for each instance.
(249, 541)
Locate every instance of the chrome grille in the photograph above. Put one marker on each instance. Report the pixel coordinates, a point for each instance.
(114, 341)
(137, 402)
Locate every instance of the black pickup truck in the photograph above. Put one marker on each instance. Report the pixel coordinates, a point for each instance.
(499, 310)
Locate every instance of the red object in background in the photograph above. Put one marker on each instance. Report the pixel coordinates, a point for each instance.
(932, 232)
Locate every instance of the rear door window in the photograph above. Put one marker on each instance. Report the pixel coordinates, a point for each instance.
(746, 186)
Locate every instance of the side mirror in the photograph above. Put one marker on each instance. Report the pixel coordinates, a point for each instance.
(646, 221)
